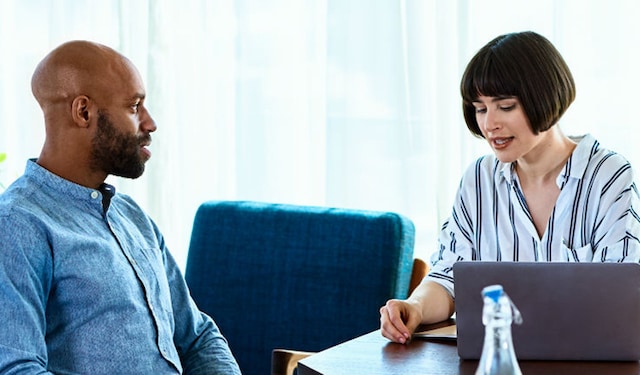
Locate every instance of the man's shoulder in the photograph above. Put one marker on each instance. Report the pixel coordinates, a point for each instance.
(19, 213)
(25, 205)
(17, 197)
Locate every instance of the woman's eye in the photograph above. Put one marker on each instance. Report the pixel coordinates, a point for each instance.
(507, 108)
(481, 110)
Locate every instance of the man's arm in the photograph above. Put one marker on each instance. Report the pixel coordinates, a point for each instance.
(25, 280)
(202, 348)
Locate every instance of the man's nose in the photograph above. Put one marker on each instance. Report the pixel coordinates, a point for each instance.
(148, 124)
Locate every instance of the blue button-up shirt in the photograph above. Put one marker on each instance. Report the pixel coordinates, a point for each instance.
(87, 288)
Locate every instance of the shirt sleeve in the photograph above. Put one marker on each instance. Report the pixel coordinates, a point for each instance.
(615, 236)
(455, 241)
(202, 348)
(25, 280)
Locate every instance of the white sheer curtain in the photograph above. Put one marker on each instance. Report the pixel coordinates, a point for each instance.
(350, 103)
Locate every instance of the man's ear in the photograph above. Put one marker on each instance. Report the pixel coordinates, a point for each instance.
(81, 111)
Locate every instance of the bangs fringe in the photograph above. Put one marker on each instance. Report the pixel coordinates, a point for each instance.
(488, 78)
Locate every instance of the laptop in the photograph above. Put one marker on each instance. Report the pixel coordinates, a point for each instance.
(570, 311)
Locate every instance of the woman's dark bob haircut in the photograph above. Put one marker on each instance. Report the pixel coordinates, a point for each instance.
(523, 65)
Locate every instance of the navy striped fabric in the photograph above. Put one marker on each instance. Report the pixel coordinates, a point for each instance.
(295, 277)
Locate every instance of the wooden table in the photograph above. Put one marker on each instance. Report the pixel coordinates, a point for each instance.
(372, 354)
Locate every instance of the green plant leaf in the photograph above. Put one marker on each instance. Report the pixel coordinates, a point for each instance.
(3, 155)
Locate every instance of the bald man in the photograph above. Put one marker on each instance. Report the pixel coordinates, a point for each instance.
(87, 285)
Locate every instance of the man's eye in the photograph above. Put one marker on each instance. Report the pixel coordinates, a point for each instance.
(135, 107)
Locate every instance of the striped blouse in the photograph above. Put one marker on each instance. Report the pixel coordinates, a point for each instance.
(595, 217)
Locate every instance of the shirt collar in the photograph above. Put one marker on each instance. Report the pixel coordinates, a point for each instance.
(575, 166)
(67, 188)
(579, 159)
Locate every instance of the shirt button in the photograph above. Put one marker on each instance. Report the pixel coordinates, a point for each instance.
(94, 194)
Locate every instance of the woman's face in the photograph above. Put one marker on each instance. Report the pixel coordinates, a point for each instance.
(505, 126)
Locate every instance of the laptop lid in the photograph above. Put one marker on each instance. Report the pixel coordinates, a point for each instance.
(570, 311)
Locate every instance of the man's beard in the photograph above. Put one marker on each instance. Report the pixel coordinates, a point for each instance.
(117, 153)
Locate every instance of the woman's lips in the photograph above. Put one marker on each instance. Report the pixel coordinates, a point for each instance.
(501, 142)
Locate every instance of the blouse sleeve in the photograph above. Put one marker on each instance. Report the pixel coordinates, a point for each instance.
(455, 241)
(615, 232)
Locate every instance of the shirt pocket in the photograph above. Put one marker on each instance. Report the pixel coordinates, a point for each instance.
(625, 250)
(581, 254)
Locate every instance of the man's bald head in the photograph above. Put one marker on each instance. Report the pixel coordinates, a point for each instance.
(77, 68)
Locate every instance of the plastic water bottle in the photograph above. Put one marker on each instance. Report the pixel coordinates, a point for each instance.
(498, 356)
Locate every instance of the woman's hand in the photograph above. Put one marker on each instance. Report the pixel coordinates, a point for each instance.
(429, 303)
(399, 319)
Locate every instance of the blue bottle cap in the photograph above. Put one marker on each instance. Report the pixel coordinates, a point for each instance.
(492, 291)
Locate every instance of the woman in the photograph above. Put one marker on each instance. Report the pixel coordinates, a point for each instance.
(542, 196)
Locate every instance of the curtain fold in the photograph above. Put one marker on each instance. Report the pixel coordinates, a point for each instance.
(350, 103)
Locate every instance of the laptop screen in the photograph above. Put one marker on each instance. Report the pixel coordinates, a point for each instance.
(570, 311)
